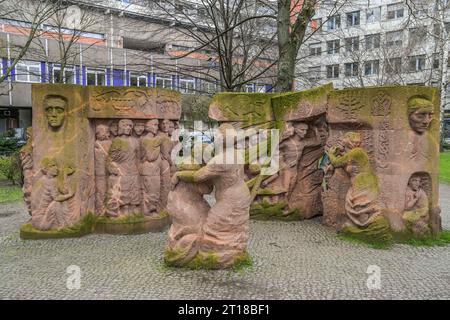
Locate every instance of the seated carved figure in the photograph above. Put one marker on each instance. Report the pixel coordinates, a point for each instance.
(416, 214)
(222, 238)
(52, 205)
(123, 195)
(361, 201)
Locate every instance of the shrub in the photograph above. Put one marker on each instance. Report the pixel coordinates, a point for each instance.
(10, 168)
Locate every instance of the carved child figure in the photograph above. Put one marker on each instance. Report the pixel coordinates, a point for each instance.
(101, 149)
(416, 214)
(52, 207)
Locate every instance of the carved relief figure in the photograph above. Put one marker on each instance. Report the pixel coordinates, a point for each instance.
(166, 160)
(420, 114)
(53, 205)
(361, 203)
(416, 214)
(151, 168)
(26, 160)
(224, 233)
(55, 111)
(114, 128)
(101, 149)
(306, 192)
(123, 195)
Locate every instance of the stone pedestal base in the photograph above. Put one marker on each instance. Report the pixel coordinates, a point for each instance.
(136, 224)
(132, 225)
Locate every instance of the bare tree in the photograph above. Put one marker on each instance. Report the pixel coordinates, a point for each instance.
(66, 27)
(35, 13)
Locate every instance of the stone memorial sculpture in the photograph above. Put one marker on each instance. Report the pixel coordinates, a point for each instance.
(203, 236)
(86, 170)
(166, 159)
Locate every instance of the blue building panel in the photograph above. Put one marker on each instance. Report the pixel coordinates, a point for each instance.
(118, 77)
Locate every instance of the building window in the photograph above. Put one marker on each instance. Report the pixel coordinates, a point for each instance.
(334, 22)
(393, 66)
(67, 77)
(315, 49)
(261, 88)
(373, 15)
(394, 39)
(314, 73)
(436, 61)
(28, 71)
(352, 44)
(209, 87)
(395, 11)
(353, 18)
(351, 69)
(96, 77)
(138, 80)
(163, 82)
(417, 36)
(333, 71)
(333, 46)
(417, 63)
(371, 67)
(372, 41)
(187, 86)
(250, 88)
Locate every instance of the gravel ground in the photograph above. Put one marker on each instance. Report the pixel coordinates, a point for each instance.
(295, 260)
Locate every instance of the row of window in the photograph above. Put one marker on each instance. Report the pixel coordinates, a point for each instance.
(371, 41)
(394, 11)
(30, 71)
(391, 66)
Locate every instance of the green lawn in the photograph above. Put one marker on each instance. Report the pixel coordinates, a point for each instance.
(10, 194)
(444, 170)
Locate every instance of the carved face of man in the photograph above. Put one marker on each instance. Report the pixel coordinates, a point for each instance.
(420, 114)
(171, 128)
(102, 132)
(164, 126)
(125, 127)
(414, 183)
(114, 128)
(55, 111)
(152, 126)
(288, 130)
(139, 128)
(301, 129)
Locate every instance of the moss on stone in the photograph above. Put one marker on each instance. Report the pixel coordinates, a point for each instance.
(242, 262)
(83, 227)
(377, 234)
(204, 260)
(273, 211)
(173, 256)
(132, 218)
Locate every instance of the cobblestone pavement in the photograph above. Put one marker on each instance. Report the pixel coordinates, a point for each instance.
(296, 260)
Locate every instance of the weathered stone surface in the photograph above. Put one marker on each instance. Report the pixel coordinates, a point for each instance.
(203, 236)
(91, 154)
(401, 140)
(63, 188)
(133, 103)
